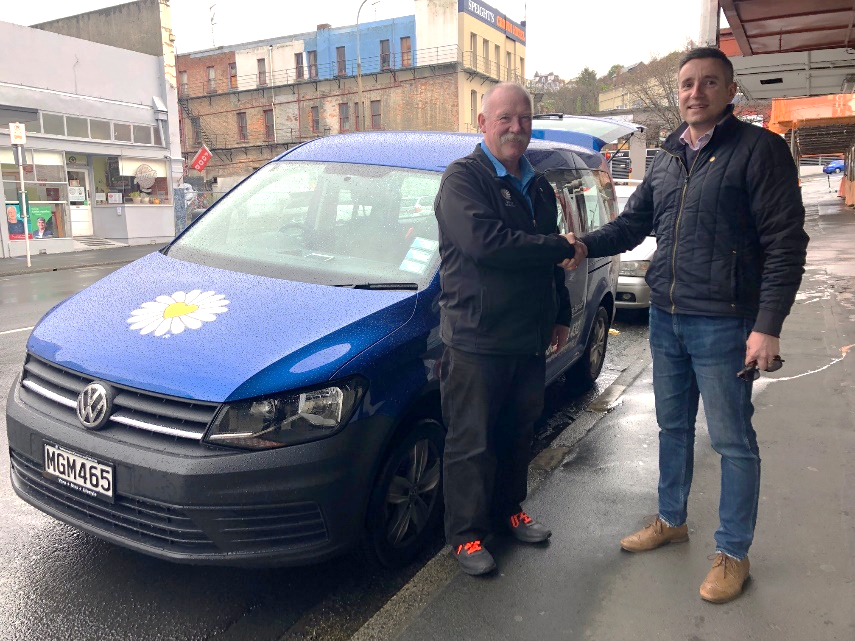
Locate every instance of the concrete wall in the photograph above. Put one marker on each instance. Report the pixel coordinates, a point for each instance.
(436, 30)
(135, 26)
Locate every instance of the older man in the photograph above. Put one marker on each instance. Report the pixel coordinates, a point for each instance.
(724, 201)
(503, 302)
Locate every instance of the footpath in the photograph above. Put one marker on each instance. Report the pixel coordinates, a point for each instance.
(75, 260)
(582, 586)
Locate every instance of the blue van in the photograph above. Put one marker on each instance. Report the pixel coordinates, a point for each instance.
(263, 391)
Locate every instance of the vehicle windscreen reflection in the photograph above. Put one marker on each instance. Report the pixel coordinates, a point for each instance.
(322, 223)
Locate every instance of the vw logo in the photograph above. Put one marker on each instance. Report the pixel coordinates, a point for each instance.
(94, 405)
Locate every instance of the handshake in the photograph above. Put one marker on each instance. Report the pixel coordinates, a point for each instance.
(579, 254)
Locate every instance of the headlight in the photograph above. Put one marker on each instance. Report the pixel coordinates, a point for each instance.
(634, 268)
(287, 419)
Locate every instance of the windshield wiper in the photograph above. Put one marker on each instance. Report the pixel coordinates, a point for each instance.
(412, 286)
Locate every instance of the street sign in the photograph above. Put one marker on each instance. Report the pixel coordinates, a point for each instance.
(200, 160)
(18, 133)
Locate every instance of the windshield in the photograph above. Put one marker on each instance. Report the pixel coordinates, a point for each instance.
(323, 223)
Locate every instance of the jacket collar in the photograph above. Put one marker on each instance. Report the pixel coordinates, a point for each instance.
(726, 125)
(487, 164)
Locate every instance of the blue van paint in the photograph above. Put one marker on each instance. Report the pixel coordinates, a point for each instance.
(275, 337)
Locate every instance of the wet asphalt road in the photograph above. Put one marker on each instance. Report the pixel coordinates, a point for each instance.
(59, 584)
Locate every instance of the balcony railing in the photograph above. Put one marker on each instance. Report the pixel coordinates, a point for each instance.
(327, 71)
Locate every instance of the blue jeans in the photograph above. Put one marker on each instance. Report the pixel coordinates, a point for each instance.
(698, 357)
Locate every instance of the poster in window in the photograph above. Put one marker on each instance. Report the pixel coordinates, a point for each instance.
(14, 222)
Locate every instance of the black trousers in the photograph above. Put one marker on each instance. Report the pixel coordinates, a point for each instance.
(489, 405)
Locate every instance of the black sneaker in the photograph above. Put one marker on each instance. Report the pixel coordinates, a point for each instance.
(474, 559)
(526, 529)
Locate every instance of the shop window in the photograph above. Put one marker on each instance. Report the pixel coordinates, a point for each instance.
(76, 127)
(54, 124)
(158, 140)
(122, 179)
(47, 191)
(30, 126)
(142, 134)
(122, 132)
(99, 129)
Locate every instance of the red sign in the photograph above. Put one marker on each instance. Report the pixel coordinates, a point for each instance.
(200, 160)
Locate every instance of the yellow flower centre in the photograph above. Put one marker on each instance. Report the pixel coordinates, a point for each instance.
(179, 309)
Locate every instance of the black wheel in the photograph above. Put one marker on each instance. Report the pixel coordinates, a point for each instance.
(585, 371)
(406, 502)
(837, 170)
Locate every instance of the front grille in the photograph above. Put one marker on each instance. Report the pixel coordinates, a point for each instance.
(55, 390)
(148, 522)
(189, 530)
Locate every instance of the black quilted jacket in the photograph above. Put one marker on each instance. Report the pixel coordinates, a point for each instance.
(729, 228)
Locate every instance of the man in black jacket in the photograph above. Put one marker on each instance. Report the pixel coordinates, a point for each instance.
(503, 303)
(724, 202)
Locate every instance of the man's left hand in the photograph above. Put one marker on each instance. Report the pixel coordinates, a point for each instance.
(560, 334)
(761, 348)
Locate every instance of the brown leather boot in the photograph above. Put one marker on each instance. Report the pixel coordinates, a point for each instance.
(725, 579)
(655, 534)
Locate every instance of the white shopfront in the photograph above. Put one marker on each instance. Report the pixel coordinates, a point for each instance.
(101, 158)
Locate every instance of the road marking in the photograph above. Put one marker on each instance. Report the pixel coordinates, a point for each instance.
(13, 331)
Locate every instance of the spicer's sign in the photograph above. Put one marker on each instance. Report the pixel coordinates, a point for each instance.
(488, 15)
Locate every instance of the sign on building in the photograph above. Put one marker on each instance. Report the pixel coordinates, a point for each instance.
(200, 160)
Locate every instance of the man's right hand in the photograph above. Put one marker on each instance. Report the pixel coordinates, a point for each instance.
(580, 254)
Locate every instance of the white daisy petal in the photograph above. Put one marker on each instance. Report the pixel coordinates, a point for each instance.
(190, 322)
(191, 296)
(177, 325)
(179, 297)
(204, 296)
(148, 329)
(212, 310)
(163, 327)
(166, 300)
(139, 323)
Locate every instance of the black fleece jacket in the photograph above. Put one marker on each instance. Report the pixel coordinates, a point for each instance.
(729, 229)
(502, 291)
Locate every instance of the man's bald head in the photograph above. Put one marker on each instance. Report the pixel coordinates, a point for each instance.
(504, 88)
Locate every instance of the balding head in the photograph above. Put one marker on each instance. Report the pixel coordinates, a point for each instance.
(503, 88)
(505, 120)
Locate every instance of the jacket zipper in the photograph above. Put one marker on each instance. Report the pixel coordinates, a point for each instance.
(677, 226)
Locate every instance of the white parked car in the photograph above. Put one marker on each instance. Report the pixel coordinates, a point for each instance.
(632, 290)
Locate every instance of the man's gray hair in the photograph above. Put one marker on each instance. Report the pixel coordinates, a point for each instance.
(485, 101)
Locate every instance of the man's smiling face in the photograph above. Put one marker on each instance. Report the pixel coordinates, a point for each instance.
(705, 92)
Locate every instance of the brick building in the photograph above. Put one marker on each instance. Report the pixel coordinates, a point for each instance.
(249, 102)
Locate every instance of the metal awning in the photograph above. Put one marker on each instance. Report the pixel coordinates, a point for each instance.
(780, 26)
(822, 124)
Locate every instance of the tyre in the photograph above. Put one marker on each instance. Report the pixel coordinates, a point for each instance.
(405, 507)
(585, 371)
(838, 170)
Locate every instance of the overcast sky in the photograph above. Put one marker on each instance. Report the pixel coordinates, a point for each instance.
(563, 37)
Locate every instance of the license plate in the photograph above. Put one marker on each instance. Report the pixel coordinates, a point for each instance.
(79, 472)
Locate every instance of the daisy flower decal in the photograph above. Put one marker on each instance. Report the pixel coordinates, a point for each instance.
(173, 314)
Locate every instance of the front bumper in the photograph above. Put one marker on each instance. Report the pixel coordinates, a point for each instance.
(199, 504)
(632, 293)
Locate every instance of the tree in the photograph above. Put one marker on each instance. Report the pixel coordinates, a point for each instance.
(653, 91)
(588, 92)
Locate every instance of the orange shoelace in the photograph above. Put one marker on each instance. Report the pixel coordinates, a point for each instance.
(522, 517)
(471, 547)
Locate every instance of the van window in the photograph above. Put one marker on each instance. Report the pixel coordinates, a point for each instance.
(585, 198)
(325, 223)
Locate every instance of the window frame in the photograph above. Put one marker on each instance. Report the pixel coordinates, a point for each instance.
(262, 71)
(376, 122)
(406, 51)
(299, 69)
(315, 118)
(233, 81)
(385, 56)
(242, 126)
(312, 59)
(212, 80)
(269, 127)
(340, 61)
